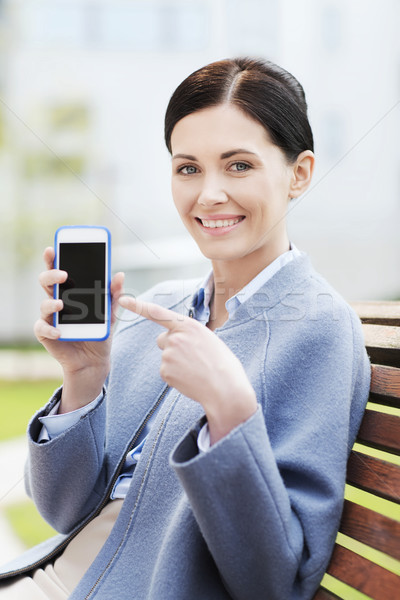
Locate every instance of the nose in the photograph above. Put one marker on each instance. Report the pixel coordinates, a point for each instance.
(212, 193)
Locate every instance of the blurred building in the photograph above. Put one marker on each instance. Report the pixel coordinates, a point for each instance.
(83, 89)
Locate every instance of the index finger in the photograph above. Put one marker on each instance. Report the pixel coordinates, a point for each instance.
(48, 256)
(154, 312)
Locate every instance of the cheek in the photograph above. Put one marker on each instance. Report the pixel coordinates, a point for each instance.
(257, 204)
(177, 195)
(174, 190)
(184, 194)
(182, 203)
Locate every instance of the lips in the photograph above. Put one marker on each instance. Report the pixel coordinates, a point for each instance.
(220, 221)
(219, 225)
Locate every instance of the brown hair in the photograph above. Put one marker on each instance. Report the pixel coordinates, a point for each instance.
(264, 91)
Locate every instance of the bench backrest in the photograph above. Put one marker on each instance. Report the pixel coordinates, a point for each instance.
(371, 514)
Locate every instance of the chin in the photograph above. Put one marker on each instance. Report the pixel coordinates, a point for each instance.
(219, 255)
(218, 249)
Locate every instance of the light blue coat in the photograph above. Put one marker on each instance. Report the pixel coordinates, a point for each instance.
(255, 517)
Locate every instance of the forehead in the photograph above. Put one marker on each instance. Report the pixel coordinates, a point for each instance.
(218, 128)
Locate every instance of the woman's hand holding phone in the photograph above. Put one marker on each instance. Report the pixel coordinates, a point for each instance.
(85, 363)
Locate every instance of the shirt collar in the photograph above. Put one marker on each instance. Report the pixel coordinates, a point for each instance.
(202, 298)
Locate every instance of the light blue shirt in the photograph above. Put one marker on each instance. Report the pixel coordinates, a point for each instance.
(54, 424)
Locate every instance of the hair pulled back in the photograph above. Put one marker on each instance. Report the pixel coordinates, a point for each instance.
(262, 89)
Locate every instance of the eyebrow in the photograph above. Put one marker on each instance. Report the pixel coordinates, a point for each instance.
(236, 151)
(224, 155)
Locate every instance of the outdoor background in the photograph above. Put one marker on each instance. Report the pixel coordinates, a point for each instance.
(83, 89)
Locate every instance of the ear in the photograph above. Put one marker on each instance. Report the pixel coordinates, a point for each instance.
(303, 169)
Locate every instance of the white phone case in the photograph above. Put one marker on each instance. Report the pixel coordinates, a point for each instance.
(88, 324)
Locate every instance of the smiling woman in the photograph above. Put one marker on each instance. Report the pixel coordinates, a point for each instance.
(232, 183)
(209, 460)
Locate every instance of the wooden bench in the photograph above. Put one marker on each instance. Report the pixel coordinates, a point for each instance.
(372, 468)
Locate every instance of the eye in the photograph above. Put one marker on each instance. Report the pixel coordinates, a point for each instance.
(239, 167)
(187, 170)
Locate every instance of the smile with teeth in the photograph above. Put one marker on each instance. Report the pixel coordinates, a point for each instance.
(212, 224)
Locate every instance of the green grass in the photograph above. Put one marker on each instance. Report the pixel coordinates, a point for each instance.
(28, 524)
(27, 346)
(19, 401)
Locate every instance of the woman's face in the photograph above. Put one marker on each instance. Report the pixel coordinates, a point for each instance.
(231, 186)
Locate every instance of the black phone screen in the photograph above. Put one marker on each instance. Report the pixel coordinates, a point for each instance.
(84, 292)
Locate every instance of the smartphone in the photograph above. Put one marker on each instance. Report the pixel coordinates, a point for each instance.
(84, 252)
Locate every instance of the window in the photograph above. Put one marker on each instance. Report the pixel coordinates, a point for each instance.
(139, 25)
(47, 23)
(154, 26)
(331, 28)
(253, 26)
(333, 133)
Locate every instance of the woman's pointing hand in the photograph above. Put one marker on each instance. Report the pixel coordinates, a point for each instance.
(200, 366)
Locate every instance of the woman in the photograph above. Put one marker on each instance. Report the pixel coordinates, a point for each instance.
(214, 462)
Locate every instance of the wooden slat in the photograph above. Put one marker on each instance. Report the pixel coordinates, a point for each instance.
(383, 344)
(383, 313)
(380, 430)
(381, 336)
(381, 327)
(385, 381)
(325, 595)
(363, 575)
(374, 475)
(371, 528)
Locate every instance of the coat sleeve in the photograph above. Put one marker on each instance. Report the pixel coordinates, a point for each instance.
(64, 476)
(268, 497)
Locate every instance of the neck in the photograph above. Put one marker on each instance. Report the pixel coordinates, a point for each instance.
(230, 276)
